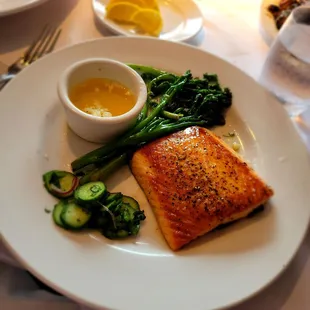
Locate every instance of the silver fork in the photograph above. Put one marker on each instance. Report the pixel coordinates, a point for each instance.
(43, 45)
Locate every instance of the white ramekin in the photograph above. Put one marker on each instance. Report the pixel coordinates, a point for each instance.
(94, 128)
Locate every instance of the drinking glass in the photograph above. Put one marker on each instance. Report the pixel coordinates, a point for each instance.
(286, 72)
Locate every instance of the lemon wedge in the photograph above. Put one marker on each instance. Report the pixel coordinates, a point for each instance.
(140, 3)
(151, 4)
(144, 14)
(149, 20)
(121, 11)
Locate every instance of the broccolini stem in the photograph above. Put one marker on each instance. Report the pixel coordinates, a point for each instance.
(102, 173)
(143, 137)
(162, 77)
(167, 114)
(143, 112)
(95, 156)
(146, 69)
(165, 99)
(152, 125)
(171, 115)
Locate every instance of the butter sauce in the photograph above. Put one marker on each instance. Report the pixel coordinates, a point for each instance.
(102, 97)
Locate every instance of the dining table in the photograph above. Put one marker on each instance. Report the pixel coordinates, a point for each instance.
(232, 31)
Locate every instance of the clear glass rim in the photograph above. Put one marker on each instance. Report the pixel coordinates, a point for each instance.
(301, 14)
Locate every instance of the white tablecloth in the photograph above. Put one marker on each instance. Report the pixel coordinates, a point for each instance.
(231, 31)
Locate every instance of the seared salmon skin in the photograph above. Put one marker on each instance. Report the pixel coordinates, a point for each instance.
(194, 182)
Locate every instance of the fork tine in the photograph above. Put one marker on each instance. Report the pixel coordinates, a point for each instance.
(26, 55)
(53, 42)
(36, 52)
(49, 43)
(44, 46)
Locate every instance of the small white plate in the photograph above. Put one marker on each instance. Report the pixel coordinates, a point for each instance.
(213, 272)
(182, 19)
(8, 7)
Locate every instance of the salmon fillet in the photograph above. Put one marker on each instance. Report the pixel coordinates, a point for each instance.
(194, 182)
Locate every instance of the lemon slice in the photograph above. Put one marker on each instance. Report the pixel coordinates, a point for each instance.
(149, 21)
(139, 3)
(151, 4)
(121, 11)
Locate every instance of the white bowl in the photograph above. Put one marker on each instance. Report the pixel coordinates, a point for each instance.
(94, 128)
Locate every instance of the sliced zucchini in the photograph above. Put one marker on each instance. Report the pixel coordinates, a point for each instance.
(127, 212)
(74, 216)
(90, 192)
(58, 208)
(114, 205)
(60, 184)
(134, 217)
(131, 201)
(112, 197)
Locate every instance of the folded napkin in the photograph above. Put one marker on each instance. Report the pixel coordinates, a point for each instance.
(6, 257)
(19, 286)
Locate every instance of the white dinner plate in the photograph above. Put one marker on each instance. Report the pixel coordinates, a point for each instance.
(8, 7)
(218, 270)
(182, 19)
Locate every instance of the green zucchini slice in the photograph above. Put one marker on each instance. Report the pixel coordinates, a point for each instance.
(131, 201)
(60, 184)
(74, 216)
(90, 192)
(113, 197)
(58, 208)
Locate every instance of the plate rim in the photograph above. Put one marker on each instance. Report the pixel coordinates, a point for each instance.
(118, 30)
(94, 305)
